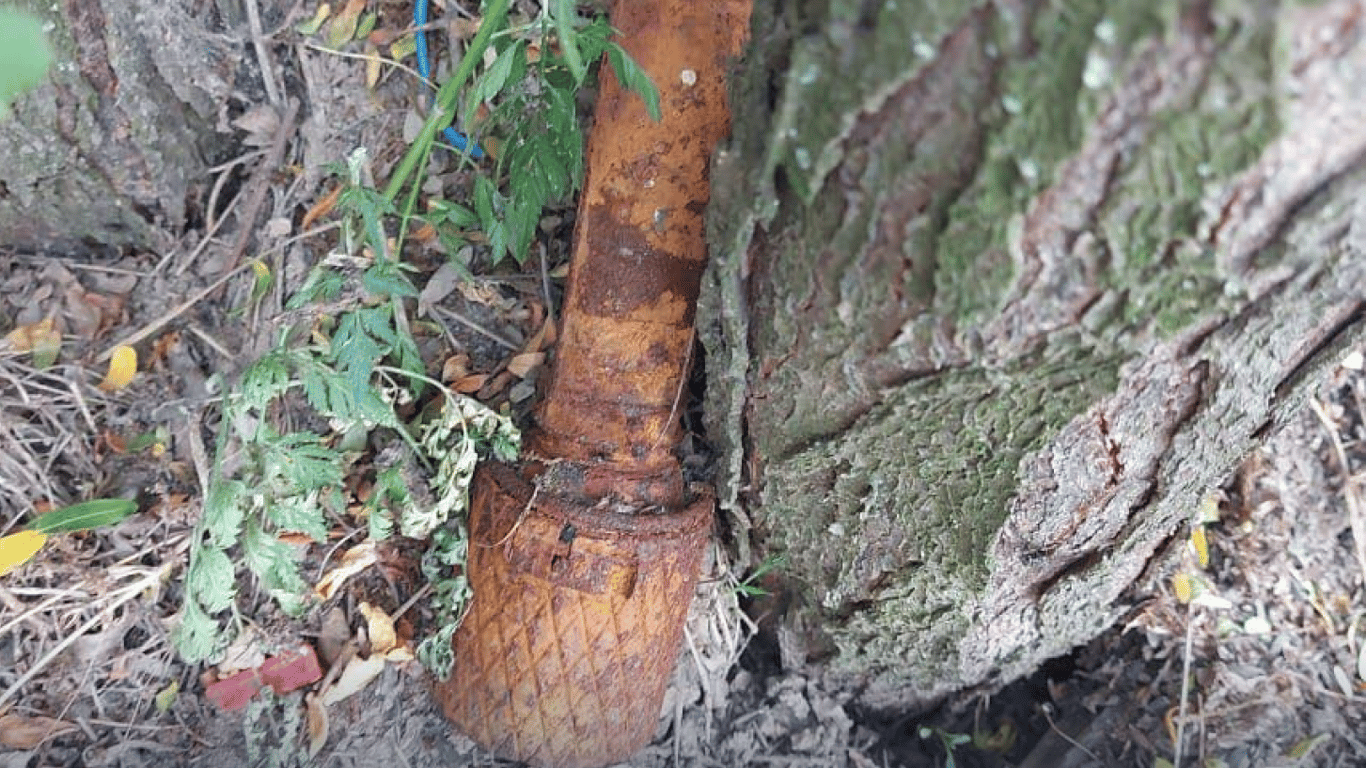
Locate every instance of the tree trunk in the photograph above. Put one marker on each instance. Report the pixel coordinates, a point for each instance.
(1000, 291)
(104, 153)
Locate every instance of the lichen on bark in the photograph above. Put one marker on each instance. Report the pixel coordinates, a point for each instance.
(102, 155)
(974, 367)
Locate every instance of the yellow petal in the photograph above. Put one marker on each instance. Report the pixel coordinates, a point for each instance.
(122, 365)
(17, 548)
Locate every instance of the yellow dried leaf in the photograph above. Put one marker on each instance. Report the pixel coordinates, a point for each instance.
(17, 548)
(355, 560)
(1200, 546)
(354, 677)
(1181, 584)
(380, 629)
(400, 654)
(41, 338)
(372, 66)
(123, 365)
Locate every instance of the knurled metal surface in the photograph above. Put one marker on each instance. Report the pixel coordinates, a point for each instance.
(575, 626)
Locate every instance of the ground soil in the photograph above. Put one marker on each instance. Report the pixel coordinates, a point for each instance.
(1262, 663)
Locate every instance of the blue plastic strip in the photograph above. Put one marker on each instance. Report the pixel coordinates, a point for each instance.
(457, 139)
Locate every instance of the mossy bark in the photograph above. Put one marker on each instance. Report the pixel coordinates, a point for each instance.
(104, 153)
(990, 311)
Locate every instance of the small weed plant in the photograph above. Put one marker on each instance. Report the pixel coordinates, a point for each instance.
(346, 366)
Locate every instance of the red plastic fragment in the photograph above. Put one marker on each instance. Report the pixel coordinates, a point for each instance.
(284, 673)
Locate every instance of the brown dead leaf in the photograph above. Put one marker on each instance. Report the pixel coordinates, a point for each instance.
(462, 28)
(21, 732)
(333, 636)
(321, 208)
(455, 367)
(317, 723)
(355, 560)
(522, 365)
(162, 347)
(467, 385)
(379, 627)
(445, 279)
(544, 337)
(90, 313)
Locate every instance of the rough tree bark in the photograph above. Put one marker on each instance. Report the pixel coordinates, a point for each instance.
(1000, 290)
(104, 154)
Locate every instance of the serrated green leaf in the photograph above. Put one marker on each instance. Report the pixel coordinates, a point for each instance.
(491, 83)
(264, 380)
(211, 579)
(633, 78)
(593, 37)
(223, 512)
(273, 563)
(196, 636)
(385, 279)
(563, 13)
(300, 514)
(84, 516)
(300, 462)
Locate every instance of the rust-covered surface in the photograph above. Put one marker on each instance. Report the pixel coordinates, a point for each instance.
(575, 627)
(584, 560)
(639, 247)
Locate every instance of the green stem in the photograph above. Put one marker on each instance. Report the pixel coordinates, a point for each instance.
(447, 99)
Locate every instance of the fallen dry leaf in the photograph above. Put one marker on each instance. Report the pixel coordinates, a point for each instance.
(41, 338)
(20, 732)
(317, 724)
(522, 365)
(321, 208)
(379, 628)
(17, 548)
(333, 635)
(440, 285)
(355, 560)
(456, 367)
(467, 385)
(357, 674)
(123, 366)
(400, 654)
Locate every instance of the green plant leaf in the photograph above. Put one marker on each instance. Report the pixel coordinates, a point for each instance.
(633, 78)
(301, 514)
(25, 55)
(273, 563)
(563, 13)
(196, 636)
(223, 512)
(85, 515)
(212, 579)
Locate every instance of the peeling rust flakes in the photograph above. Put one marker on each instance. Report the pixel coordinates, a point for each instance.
(641, 275)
